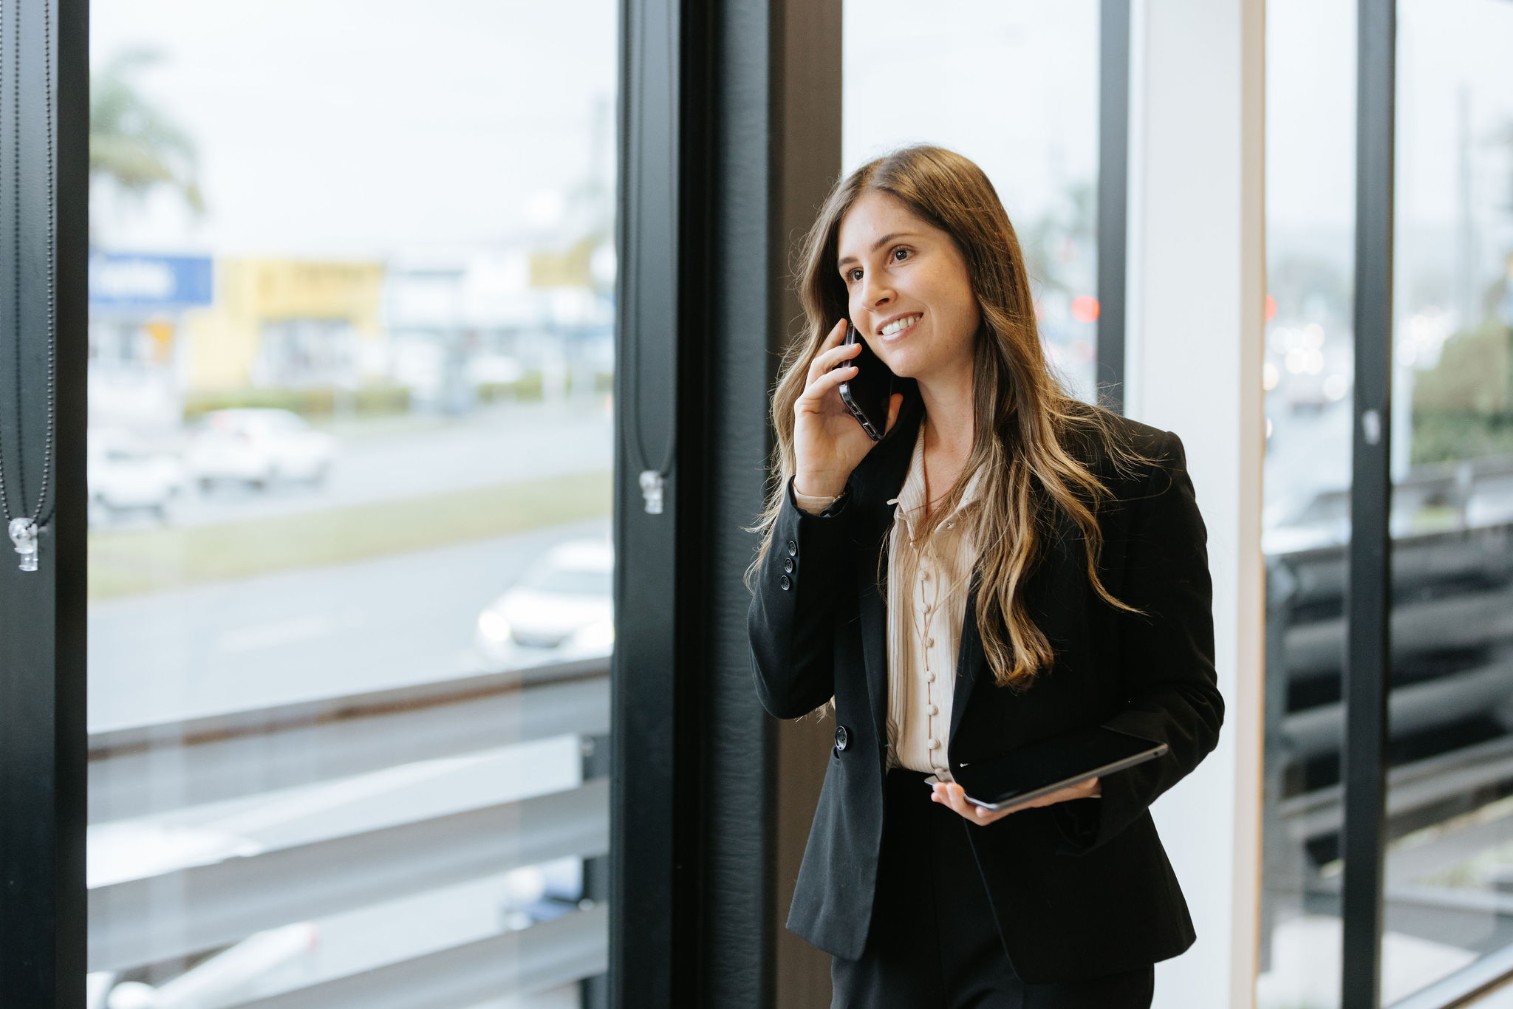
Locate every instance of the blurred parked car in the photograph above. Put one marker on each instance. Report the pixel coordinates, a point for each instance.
(561, 608)
(258, 448)
(536, 893)
(126, 476)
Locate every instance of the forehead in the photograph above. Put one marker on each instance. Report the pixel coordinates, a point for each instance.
(874, 215)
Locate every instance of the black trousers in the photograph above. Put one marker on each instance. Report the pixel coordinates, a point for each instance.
(933, 941)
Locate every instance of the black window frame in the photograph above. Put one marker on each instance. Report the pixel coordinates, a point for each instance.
(1368, 599)
(42, 613)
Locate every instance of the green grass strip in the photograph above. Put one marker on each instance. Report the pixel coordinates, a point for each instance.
(131, 562)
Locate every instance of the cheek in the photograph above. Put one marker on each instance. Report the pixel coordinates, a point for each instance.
(963, 293)
(966, 321)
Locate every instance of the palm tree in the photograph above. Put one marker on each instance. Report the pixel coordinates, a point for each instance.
(132, 145)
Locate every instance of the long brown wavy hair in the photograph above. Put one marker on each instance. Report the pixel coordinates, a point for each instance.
(1024, 419)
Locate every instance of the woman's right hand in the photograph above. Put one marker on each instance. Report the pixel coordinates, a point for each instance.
(828, 443)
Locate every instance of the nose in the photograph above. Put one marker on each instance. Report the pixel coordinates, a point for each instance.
(875, 292)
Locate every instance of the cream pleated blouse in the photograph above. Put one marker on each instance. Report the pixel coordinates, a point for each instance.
(928, 583)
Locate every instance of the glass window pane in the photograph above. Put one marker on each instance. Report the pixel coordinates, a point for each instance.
(1308, 372)
(1014, 87)
(1449, 871)
(351, 346)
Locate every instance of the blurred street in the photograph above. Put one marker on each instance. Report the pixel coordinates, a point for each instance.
(311, 633)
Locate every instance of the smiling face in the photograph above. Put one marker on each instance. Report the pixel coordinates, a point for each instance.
(907, 289)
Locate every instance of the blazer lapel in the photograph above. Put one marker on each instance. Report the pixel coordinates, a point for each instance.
(871, 583)
(970, 661)
(1046, 593)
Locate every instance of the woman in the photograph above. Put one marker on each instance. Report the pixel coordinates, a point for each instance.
(1007, 564)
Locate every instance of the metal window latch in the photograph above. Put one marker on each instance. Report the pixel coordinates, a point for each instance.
(652, 484)
(1371, 427)
(23, 533)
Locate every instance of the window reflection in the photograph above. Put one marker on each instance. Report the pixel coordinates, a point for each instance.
(1307, 374)
(351, 353)
(1449, 783)
(1450, 789)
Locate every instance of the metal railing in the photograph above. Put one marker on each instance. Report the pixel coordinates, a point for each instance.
(399, 848)
(1450, 702)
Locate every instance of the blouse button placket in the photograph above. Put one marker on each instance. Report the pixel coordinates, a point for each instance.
(932, 739)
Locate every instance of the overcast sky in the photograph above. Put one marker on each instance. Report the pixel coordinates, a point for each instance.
(337, 127)
(330, 126)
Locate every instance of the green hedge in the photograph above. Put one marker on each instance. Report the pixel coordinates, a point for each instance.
(1452, 435)
(531, 388)
(322, 402)
(135, 561)
(527, 388)
(1463, 407)
(315, 403)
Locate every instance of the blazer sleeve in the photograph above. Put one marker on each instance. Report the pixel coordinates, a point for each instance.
(1171, 687)
(792, 614)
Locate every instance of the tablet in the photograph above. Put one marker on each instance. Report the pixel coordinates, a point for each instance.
(1042, 767)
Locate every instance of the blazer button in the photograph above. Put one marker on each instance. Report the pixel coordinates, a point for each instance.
(788, 564)
(842, 738)
(785, 583)
(793, 548)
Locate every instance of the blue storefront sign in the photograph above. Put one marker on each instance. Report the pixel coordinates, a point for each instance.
(119, 280)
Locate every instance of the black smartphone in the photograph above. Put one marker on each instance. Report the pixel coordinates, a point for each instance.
(866, 393)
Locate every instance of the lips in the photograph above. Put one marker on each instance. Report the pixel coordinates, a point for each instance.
(898, 326)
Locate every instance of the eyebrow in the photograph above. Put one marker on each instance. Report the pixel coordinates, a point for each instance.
(891, 237)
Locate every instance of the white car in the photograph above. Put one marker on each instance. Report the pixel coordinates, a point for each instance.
(256, 966)
(258, 448)
(125, 476)
(562, 608)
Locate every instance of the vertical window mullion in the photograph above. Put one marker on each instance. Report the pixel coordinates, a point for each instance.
(708, 791)
(42, 615)
(1368, 592)
(1113, 197)
(650, 875)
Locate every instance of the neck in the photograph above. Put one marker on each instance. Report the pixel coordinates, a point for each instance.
(951, 422)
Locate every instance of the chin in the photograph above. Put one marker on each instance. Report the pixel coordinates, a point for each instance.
(901, 365)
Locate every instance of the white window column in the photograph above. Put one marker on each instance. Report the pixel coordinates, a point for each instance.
(1194, 352)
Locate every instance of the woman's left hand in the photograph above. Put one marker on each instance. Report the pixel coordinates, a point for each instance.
(953, 795)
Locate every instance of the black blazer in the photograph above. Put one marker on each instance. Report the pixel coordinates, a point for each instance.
(1079, 889)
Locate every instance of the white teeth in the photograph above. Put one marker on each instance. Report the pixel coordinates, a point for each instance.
(899, 324)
